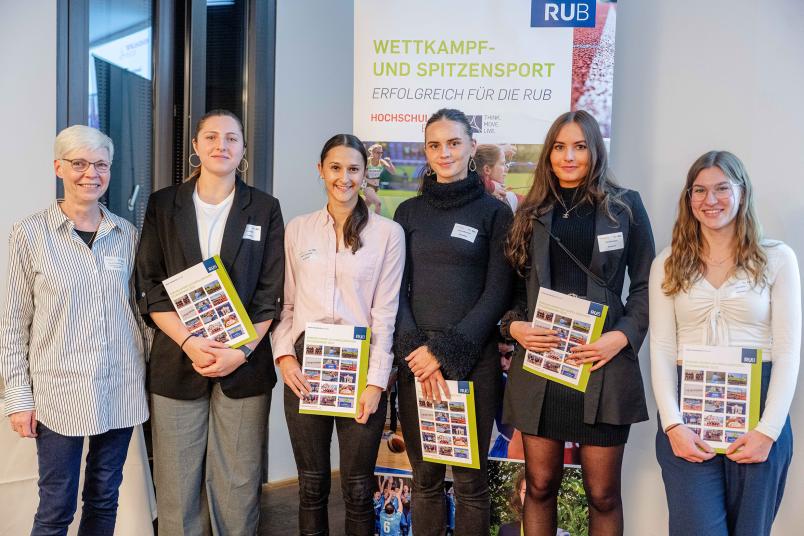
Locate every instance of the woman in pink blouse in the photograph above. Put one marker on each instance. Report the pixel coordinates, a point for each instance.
(343, 266)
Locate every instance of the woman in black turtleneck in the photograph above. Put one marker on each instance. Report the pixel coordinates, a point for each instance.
(606, 229)
(457, 285)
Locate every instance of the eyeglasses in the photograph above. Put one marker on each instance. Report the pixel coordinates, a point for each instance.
(80, 165)
(724, 190)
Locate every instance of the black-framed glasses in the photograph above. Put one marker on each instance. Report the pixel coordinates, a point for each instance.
(724, 190)
(79, 165)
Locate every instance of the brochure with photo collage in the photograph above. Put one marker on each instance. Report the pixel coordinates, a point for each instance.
(335, 364)
(449, 428)
(576, 321)
(720, 388)
(208, 304)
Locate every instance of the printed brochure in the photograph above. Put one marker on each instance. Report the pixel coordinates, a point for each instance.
(335, 365)
(449, 428)
(720, 388)
(208, 304)
(576, 321)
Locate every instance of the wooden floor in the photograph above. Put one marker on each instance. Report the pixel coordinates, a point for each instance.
(279, 509)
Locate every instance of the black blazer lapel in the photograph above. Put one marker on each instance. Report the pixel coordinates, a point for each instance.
(540, 256)
(236, 225)
(605, 264)
(186, 224)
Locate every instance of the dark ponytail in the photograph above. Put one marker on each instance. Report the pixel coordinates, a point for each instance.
(448, 114)
(358, 219)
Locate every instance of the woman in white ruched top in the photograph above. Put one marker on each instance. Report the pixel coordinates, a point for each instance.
(720, 283)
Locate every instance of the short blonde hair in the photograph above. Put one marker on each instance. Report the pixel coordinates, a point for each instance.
(375, 146)
(79, 137)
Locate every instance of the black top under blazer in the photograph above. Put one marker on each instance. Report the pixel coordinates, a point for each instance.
(614, 394)
(169, 244)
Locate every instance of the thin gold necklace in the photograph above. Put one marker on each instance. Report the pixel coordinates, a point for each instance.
(713, 262)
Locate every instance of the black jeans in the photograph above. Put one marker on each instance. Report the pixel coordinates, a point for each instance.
(472, 498)
(311, 436)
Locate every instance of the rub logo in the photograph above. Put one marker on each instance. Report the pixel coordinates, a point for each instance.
(562, 13)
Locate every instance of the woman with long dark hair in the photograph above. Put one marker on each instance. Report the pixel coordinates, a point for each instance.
(210, 402)
(343, 265)
(721, 283)
(456, 287)
(577, 232)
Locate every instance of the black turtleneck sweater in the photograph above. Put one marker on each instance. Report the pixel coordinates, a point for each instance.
(455, 288)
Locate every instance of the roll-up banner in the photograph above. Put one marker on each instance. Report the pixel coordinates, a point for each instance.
(512, 66)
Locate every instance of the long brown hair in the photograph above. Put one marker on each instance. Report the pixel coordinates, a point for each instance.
(686, 263)
(358, 219)
(597, 188)
(218, 112)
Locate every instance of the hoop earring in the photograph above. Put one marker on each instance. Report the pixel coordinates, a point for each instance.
(428, 170)
(363, 184)
(190, 160)
(472, 164)
(241, 163)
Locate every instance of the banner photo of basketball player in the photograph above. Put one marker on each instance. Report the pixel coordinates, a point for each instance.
(512, 66)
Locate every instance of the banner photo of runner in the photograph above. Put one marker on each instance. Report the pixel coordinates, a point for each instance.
(512, 66)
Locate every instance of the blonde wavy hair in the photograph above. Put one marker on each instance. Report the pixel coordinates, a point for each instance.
(686, 263)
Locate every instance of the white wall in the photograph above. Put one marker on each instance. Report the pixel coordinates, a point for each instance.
(693, 76)
(314, 70)
(28, 109)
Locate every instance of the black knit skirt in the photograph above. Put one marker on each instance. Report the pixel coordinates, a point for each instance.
(562, 419)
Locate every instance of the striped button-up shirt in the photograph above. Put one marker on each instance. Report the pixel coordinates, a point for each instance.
(70, 342)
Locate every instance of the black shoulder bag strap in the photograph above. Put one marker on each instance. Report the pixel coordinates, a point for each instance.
(589, 273)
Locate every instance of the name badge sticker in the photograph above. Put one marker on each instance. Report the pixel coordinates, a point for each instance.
(739, 288)
(308, 254)
(114, 264)
(464, 232)
(610, 242)
(252, 232)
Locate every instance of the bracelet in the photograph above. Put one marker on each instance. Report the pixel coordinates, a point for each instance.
(185, 341)
(671, 427)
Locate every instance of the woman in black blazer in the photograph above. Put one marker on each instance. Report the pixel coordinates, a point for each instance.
(210, 402)
(574, 204)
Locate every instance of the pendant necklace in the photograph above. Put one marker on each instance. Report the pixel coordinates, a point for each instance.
(567, 210)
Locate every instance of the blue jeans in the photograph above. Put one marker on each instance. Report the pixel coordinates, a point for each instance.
(59, 471)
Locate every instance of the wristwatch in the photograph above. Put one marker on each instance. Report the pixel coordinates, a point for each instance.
(247, 351)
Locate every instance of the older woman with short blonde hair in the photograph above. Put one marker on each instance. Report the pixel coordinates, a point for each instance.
(71, 351)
